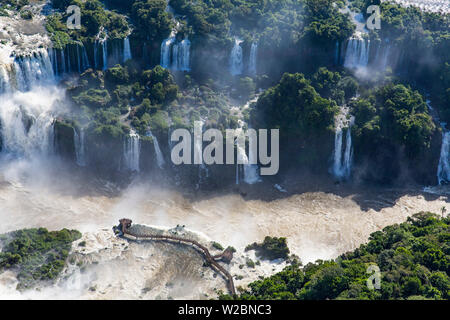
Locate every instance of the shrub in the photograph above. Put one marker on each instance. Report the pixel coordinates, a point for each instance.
(37, 254)
(271, 248)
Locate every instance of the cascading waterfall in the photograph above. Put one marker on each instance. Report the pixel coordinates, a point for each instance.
(252, 68)
(198, 149)
(342, 156)
(385, 57)
(251, 174)
(175, 56)
(28, 95)
(443, 173)
(132, 148)
(85, 59)
(54, 60)
(126, 49)
(175, 60)
(159, 156)
(63, 62)
(80, 148)
(236, 64)
(28, 98)
(116, 55)
(357, 52)
(183, 58)
(241, 159)
(104, 44)
(78, 56)
(27, 121)
(5, 72)
(165, 51)
(22, 73)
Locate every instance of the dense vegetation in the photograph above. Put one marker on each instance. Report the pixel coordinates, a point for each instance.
(284, 30)
(271, 19)
(121, 90)
(409, 28)
(395, 113)
(96, 22)
(148, 99)
(304, 111)
(413, 257)
(36, 254)
(271, 248)
(392, 126)
(294, 106)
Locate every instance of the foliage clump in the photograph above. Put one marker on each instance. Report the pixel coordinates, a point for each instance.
(271, 248)
(36, 254)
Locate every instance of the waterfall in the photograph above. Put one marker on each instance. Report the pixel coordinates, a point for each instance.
(159, 156)
(5, 72)
(63, 62)
(28, 96)
(85, 59)
(236, 65)
(241, 159)
(131, 150)
(184, 53)
(54, 61)
(165, 51)
(342, 155)
(253, 57)
(443, 174)
(176, 56)
(357, 53)
(126, 49)
(385, 57)
(237, 173)
(198, 150)
(80, 149)
(104, 53)
(23, 73)
(27, 120)
(251, 175)
(175, 60)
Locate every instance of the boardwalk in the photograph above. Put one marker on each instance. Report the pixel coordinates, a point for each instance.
(125, 229)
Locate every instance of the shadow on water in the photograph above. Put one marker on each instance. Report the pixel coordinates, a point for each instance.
(65, 179)
(366, 196)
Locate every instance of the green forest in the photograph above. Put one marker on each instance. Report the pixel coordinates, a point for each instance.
(413, 258)
(357, 109)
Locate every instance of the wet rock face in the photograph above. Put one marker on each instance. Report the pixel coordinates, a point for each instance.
(64, 140)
